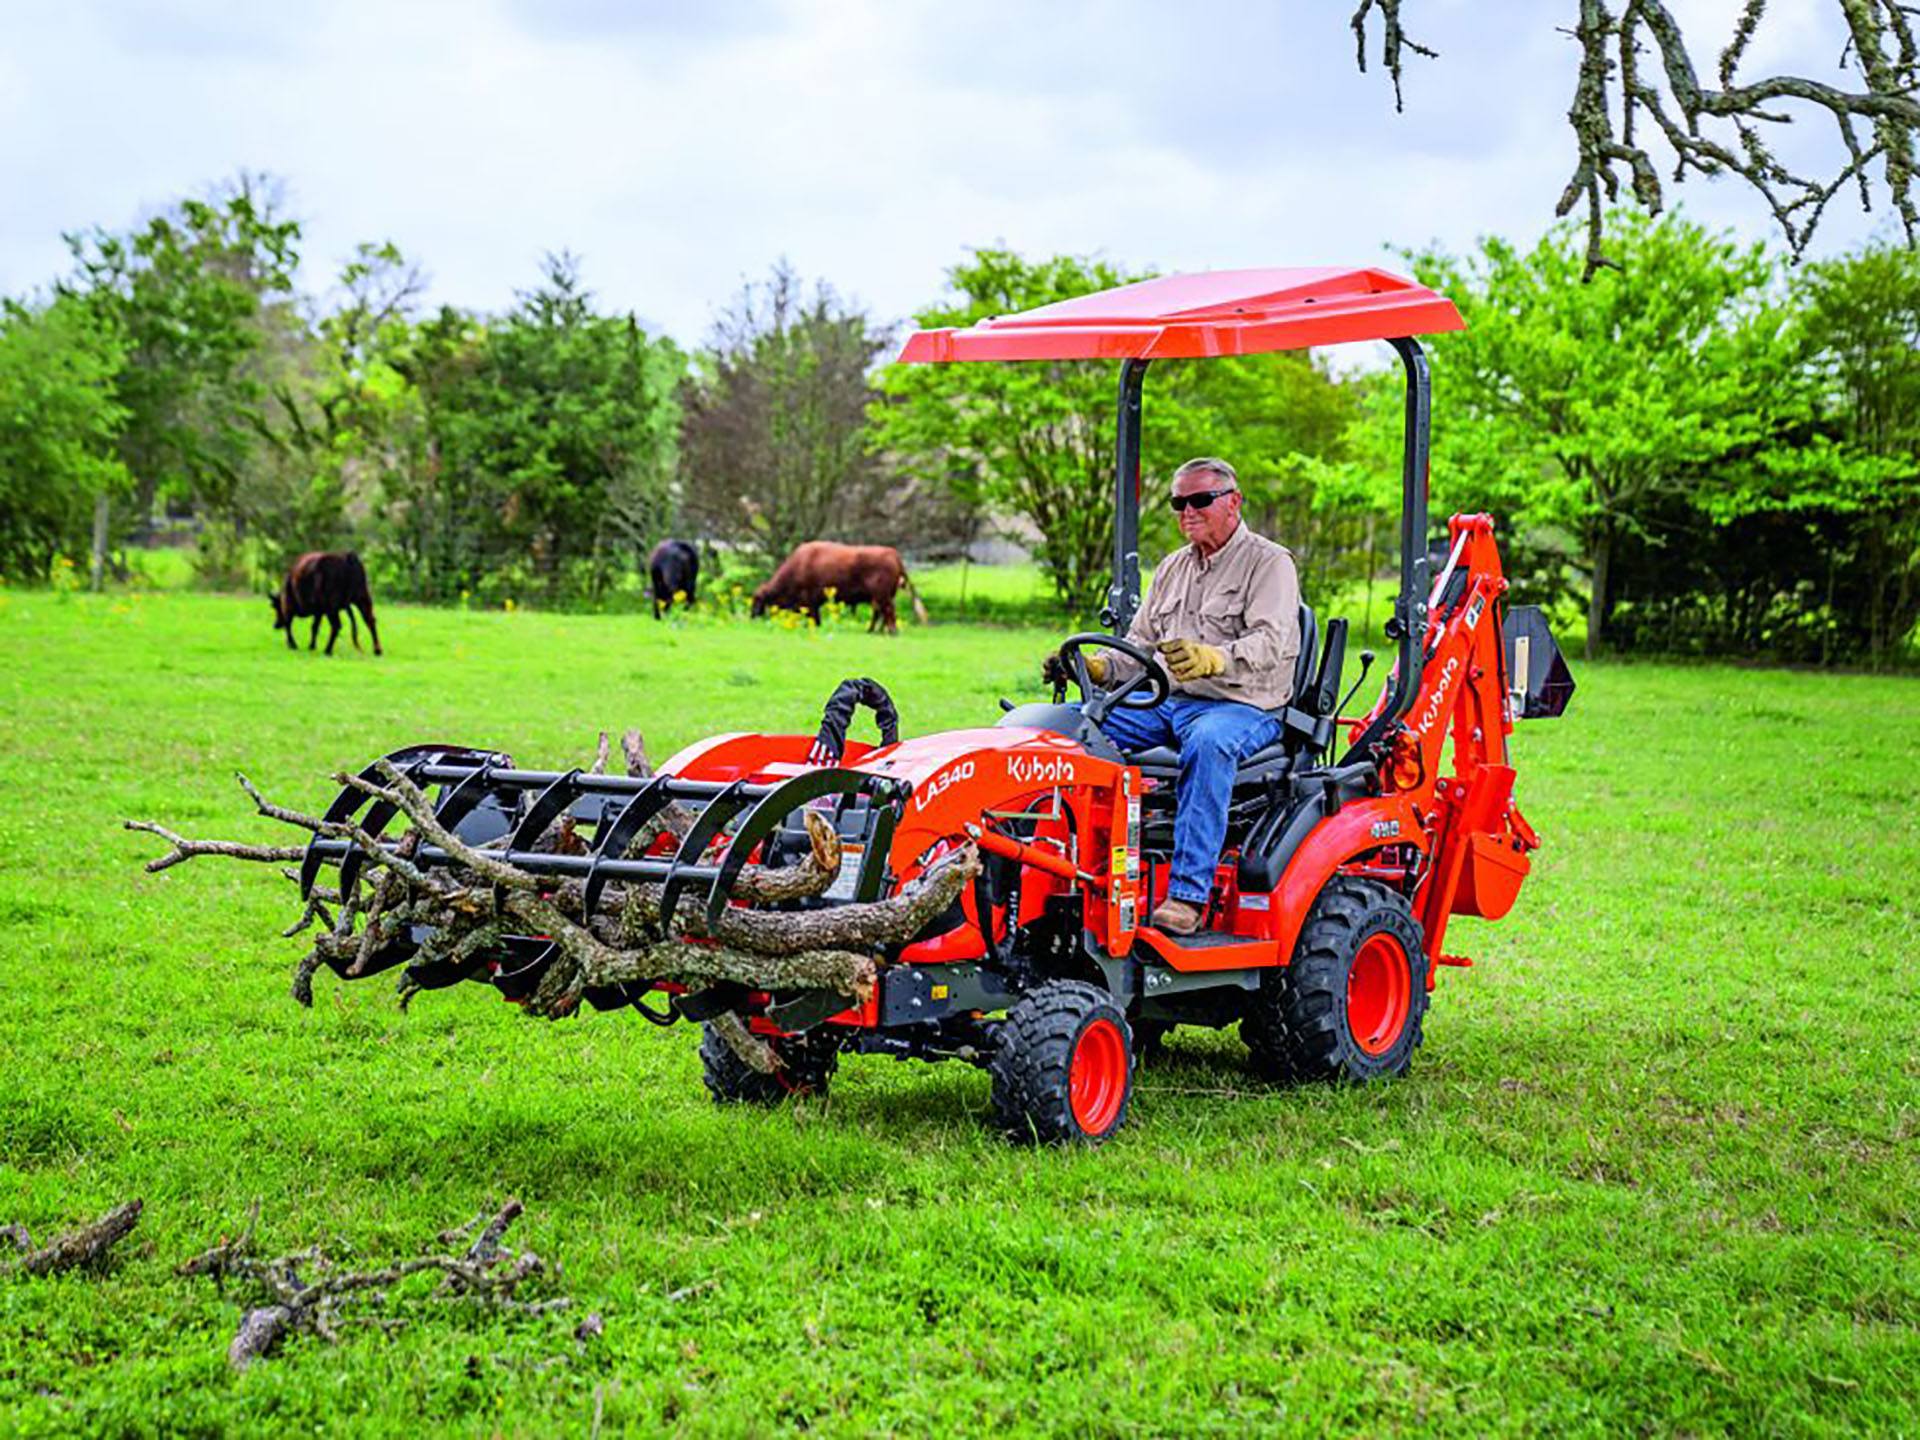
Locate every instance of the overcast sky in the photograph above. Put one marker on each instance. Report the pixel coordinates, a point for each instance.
(682, 148)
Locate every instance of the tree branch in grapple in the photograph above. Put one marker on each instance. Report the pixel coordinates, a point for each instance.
(473, 904)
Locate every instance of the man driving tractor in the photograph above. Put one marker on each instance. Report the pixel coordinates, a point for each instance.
(1223, 612)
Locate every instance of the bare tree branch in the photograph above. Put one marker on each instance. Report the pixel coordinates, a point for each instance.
(1614, 92)
(83, 1248)
(304, 1292)
(472, 900)
(1393, 39)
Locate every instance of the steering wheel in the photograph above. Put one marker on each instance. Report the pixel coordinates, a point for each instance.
(1098, 702)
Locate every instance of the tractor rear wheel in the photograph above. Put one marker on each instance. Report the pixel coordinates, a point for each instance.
(1064, 1069)
(810, 1061)
(1349, 1006)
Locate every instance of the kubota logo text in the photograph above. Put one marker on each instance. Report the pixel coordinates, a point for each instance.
(1434, 706)
(945, 780)
(1037, 770)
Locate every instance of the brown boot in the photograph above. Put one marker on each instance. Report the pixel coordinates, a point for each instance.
(1177, 917)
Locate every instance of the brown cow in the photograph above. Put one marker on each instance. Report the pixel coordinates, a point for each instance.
(322, 583)
(857, 575)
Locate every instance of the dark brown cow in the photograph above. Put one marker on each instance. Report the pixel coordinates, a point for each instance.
(322, 583)
(857, 575)
(674, 568)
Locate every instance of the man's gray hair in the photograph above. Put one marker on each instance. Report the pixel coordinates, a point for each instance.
(1209, 465)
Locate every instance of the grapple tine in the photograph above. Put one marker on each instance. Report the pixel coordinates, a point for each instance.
(375, 822)
(518, 980)
(547, 807)
(612, 842)
(771, 813)
(874, 866)
(722, 808)
(460, 799)
(351, 798)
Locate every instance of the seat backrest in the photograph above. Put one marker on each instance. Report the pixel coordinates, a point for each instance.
(1306, 667)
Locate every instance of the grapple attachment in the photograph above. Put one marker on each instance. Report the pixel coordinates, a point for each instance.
(486, 801)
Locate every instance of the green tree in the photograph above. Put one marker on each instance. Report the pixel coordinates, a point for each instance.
(59, 430)
(774, 440)
(1585, 406)
(1033, 439)
(187, 292)
(550, 442)
(1861, 327)
(338, 421)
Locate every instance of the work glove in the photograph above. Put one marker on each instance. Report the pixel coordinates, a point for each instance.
(1055, 670)
(1190, 660)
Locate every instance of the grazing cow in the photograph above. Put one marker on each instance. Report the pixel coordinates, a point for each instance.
(856, 574)
(322, 583)
(675, 567)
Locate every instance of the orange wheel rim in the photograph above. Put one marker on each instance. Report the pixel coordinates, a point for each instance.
(1379, 993)
(1097, 1078)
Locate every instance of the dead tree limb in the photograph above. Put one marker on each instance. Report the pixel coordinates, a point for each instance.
(84, 1248)
(1638, 85)
(305, 1292)
(185, 849)
(1393, 39)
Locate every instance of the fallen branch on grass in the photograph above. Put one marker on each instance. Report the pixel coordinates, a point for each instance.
(83, 1248)
(306, 1293)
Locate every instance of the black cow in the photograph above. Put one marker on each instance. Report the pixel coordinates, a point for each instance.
(675, 567)
(322, 583)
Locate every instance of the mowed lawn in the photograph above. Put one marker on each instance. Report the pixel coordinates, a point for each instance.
(1657, 1167)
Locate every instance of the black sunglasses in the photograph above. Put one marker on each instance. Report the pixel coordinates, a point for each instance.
(1199, 500)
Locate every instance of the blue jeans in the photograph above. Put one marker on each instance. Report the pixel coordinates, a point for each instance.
(1211, 736)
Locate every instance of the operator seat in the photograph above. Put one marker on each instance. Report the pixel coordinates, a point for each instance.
(1303, 726)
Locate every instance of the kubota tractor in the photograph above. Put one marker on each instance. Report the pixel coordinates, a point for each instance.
(1352, 842)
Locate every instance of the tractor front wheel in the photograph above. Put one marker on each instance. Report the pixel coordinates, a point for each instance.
(1064, 1069)
(1350, 1004)
(809, 1063)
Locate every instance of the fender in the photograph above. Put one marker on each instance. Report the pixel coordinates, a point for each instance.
(1354, 831)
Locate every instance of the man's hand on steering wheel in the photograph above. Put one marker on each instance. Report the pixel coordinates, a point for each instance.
(1056, 671)
(1077, 658)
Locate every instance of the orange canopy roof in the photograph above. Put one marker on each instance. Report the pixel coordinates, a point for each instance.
(1221, 312)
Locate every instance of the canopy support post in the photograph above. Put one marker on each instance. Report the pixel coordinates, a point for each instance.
(1123, 595)
(1408, 626)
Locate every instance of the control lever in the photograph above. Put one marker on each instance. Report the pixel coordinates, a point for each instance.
(1366, 664)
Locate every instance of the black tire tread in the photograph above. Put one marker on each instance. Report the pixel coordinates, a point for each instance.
(1032, 1096)
(810, 1064)
(1295, 1026)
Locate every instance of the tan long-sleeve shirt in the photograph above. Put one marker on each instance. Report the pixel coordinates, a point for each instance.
(1244, 600)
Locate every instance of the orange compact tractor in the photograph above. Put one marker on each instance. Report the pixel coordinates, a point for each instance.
(1351, 842)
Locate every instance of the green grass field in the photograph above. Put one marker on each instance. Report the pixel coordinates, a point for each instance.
(1657, 1168)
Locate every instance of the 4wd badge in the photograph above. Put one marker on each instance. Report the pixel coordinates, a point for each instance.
(1385, 829)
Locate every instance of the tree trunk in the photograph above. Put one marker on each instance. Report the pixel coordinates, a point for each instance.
(1602, 548)
(99, 541)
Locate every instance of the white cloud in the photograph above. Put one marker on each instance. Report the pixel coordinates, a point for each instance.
(680, 150)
